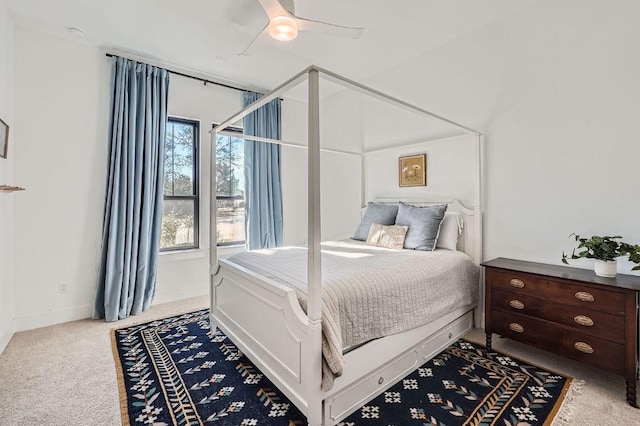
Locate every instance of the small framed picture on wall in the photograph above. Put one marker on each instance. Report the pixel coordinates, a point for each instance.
(412, 170)
(4, 139)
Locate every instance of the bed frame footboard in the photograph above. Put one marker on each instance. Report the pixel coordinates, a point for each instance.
(265, 321)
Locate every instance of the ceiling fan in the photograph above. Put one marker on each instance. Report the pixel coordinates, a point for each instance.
(284, 25)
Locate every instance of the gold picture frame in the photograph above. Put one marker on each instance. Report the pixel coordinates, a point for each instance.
(4, 139)
(412, 170)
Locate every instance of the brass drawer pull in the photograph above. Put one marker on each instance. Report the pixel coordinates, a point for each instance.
(516, 327)
(516, 283)
(583, 347)
(516, 304)
(583, 320)
(584, 296)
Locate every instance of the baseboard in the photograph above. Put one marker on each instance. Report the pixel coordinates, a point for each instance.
(6, 335)
(29, 322)
(166, 296)
(44, 319)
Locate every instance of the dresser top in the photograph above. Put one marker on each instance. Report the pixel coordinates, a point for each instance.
(631, 282)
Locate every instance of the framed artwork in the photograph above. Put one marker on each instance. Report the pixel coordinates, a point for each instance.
(4, 138)
(412, 170)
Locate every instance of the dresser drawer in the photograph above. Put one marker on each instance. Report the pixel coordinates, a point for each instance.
(560, 340)
(579, 318)
(557, 291)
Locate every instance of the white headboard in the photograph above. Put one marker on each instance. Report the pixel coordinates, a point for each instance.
(470, 240)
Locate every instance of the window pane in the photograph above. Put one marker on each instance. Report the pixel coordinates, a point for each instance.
(230, 221)
(178, 219)
(229, 166)
(179, 170)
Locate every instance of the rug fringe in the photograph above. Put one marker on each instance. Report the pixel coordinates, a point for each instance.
(565, 414)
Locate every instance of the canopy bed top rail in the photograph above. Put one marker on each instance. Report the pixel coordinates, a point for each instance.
(414, 142)
(281, 142)
(361, 88)
(343, 81)
(293, 81)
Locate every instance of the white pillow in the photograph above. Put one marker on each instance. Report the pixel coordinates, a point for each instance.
(391, 236)
(450, 229)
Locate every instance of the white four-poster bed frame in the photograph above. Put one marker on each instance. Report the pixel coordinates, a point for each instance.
(264, 319)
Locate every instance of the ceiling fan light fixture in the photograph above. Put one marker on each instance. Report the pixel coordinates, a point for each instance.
(283, 28)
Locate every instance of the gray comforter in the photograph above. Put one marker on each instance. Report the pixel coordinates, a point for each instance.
(370, 292)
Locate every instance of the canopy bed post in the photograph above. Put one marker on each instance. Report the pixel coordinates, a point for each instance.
(314, 258)
(479, 202)
(364, 188)
(213, 237)
(479, 196)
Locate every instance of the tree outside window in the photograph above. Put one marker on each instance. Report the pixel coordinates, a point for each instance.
(230, 189)
(181, 198)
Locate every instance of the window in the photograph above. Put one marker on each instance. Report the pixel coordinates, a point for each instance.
(230, 189)
(180, 212)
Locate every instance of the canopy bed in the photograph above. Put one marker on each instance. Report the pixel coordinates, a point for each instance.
(334, 324)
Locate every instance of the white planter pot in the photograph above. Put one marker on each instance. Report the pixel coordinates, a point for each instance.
(605, 268)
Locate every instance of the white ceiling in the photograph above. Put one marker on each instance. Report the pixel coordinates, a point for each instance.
(206, 35)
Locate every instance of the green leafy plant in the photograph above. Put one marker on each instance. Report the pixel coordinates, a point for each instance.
(604, 248)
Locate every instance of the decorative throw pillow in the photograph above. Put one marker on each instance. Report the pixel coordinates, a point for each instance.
(387, 236)
(423, 223)
(384, 214)
(450, 230)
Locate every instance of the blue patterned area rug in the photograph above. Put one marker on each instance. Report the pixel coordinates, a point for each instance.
(173, 371)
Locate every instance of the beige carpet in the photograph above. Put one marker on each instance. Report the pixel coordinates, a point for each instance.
(65, 375)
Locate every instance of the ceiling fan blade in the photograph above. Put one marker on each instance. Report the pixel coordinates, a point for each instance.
(245, 51)
(273, 8)
(327, 28)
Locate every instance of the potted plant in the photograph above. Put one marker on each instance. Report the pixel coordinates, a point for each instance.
(605, 251)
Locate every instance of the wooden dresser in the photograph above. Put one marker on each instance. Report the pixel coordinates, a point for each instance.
(568, 311)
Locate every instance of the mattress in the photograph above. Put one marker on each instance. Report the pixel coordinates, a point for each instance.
(370, 292)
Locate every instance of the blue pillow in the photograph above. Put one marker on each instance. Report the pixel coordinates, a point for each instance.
(384, 214)
(424, 225)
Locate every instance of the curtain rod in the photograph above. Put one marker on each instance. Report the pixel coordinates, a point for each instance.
(204, 80)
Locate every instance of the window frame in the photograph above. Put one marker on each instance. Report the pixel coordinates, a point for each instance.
(239, 130)
(196, 187)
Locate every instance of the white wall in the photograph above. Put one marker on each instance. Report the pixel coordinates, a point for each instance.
(340, 173)
(451, 171)
(294, 177)
(61, 107)
(339, 200)
(63, 115)
(556, 90)
(7, 178)
(564, 158)
(350, 121)
(62, 101)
